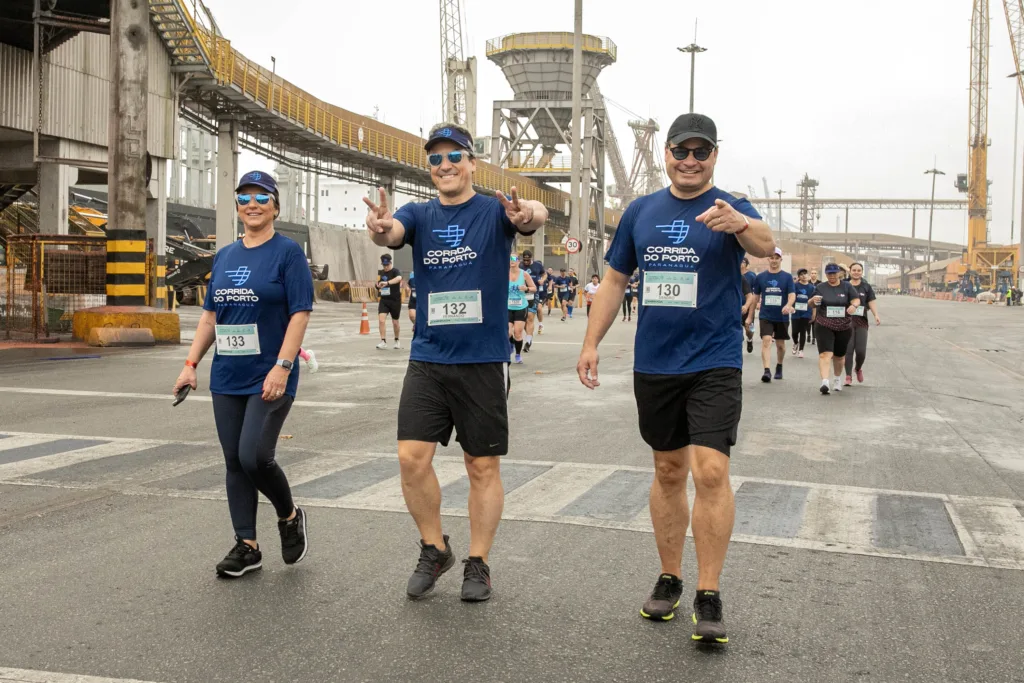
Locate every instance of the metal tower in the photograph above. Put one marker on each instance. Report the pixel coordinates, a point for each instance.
(624, 189)
(646, 175)
(805, 190)
(458, 74)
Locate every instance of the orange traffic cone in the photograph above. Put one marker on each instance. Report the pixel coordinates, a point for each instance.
(364, 324)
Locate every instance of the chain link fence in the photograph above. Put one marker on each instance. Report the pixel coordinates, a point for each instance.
(45, 279)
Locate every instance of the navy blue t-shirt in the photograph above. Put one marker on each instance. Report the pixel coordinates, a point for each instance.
(460, 248)
(412, 286)
(265, 286)
(659, 234)
(773, 287)
(803, 295)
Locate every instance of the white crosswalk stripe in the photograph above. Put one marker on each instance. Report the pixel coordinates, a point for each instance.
(986, 532)
(30, 676)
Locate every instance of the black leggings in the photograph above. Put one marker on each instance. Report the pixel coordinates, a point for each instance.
(248, 428)
(801, 330)
(627, 307)
(857, 349)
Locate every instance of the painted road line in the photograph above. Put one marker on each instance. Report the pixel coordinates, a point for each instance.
(545, 495)
(158, 397)
(915, 525)
(387, 494)
(17, 441)
(39, 450)
(842, 517)
(996, 527)
(337, 482)
(769, 509)
(619, 496)
(27, 676)
(26, 468)
(513, 475)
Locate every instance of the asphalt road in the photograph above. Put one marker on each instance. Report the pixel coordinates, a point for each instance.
(879, 535)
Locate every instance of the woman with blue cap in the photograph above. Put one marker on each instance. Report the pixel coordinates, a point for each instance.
(256, 310)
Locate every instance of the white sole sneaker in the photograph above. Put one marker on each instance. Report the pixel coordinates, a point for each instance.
(311, 364)
(246, 570)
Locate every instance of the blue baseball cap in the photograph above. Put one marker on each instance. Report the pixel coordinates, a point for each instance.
(832, 268)
(259, 179)
(452, 135)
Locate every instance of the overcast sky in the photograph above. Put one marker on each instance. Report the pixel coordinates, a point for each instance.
(863, 96)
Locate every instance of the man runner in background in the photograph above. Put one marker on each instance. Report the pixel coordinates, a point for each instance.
(748, 325)
(689, 239)
(775, 287)
(534, 312)
(458, 367)
(389, 281)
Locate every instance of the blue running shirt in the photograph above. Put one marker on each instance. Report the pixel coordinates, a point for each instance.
(803, 295)
(774, 289)
(265, 286)
(659, 234)
(460, 248)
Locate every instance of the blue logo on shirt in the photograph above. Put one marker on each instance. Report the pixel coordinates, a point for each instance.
(773, 283)
(452, 235)
(677, 231)
(239, 275)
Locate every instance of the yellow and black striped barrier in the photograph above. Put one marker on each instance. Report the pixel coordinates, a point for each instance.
(126, 267)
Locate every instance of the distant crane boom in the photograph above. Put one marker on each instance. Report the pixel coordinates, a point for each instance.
(622, 187)
(1015, 23)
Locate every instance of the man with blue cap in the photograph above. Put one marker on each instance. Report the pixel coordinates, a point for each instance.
(458, 366)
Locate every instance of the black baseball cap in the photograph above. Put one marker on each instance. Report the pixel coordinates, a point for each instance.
(259, 179)
(690, 126)
(527, 252)
(452, 135)
(385, 258)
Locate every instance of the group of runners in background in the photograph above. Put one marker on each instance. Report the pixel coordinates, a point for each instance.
(832, 314)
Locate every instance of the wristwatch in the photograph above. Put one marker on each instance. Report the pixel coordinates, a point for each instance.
(286, 364)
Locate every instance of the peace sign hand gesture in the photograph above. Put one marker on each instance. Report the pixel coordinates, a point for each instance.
(518, 214)
(379, 218)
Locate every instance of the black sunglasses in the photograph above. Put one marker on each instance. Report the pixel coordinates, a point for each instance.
(454, 157)
(700, 154)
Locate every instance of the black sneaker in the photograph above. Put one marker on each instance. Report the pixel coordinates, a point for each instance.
(476, 580)
(526, 347)
(293, 537)
(767, 376)
(240, 560)
(431, 565)
(709, 627)
(750, 346)
(778, 371)
(664, 598)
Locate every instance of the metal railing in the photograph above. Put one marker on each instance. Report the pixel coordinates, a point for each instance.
(557, 40)
(46, 279)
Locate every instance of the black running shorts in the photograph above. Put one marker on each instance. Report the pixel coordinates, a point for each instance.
(392, 307)
(412, 303)
(830, 341)
(700, 409)
(517, 316)
(773, 329)
(472, 398)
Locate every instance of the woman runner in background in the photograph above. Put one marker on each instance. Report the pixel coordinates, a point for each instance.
(835, 301)
(802, 317)
(519, 282)
(859, 341)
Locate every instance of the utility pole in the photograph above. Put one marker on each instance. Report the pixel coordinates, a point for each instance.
(126, 230)
(780, 192)
(931, 215)
(579, 225)
(1013, 192)
(693, 48)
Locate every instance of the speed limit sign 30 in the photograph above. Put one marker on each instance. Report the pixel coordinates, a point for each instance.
(572, 245)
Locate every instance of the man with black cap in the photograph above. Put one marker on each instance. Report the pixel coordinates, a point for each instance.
(535, 310)
(688, 241)
(458, 367)
(389, 288)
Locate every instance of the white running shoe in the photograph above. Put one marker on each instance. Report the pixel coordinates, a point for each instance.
(837, 385)
(397, 345)
(311, 363)
(383, 345)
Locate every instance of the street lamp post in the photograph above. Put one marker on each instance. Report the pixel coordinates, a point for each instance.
(931, 215)
(693, 48)
(780, 192)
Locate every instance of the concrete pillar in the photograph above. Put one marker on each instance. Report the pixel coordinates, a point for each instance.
(126, 227)
(316, 199)
(227, 176)
(307, 188)
(156, 232)
(54, 181)
(538, 245)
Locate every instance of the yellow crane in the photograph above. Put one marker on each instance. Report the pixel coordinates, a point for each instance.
(987, 265)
